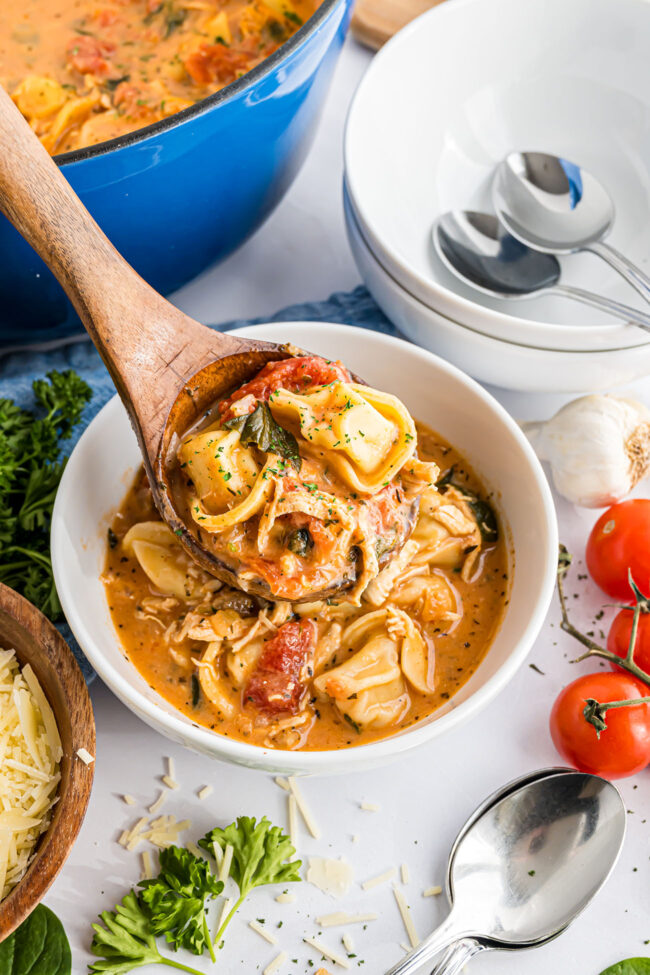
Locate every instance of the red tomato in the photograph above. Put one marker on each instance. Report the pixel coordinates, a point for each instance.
(87, 55)
(296, 374)
(624, 747)
(276, 685)
(618, 638)
(620, 540)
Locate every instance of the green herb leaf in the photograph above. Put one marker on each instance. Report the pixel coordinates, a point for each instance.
(175, 900)
(30, 473)
(629, 966)
(261, 855)
(38, 947)
(485, 519)
(261, 429)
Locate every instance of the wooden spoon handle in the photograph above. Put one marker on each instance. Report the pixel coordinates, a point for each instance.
(149, 346)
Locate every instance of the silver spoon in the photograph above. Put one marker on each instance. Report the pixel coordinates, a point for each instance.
(522, 870)
(554, 206)
(477, 248)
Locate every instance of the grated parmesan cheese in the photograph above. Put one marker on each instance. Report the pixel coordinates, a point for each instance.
(169, 782)
(223, 914)
(283, 783)
(331, 876)
(147, 866)
(370, 806)
(285, 898)
(340, 917)
(380, 879)
(348, 943)
(129, 800)
(224, 869)
(259, 929)
(85, 756)
(156, 806)
(304, 811)
(327, 952)
(277, 963)
(30, 752)
(205, 792)
(293, 820)
(432, 891)
(405, 911)
(404, 871)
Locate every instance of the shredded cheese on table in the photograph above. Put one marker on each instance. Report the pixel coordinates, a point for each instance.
(380, 879)
(259, 929)
(340, 917)
(303, 808)
(369, 806)
(405, 911)
(327, 952)
(30, 753)
(432, 891)
(205, 792)
(277, 963)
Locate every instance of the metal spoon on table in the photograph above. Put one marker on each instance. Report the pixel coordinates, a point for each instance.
(524, 867)
(556, 207)
(477, 248)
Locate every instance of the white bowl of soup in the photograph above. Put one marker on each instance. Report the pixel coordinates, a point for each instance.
(431, 641)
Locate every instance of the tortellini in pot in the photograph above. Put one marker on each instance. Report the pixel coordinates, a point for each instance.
(366, 435)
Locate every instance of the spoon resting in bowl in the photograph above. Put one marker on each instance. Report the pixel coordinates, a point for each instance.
(172, 373)
(478, 249)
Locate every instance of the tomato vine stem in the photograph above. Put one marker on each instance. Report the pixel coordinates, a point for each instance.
(642, 605)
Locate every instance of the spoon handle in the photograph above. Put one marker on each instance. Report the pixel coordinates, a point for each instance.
(603, 304)
(444, 936)
(457, 956)
(639, 280)
(148, 345)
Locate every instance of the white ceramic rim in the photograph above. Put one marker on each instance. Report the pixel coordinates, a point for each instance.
(375, 753)
(402, 272)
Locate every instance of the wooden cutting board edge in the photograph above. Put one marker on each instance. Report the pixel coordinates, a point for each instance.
(375, 21)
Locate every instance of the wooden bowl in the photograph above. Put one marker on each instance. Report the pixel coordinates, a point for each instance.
(37, 642)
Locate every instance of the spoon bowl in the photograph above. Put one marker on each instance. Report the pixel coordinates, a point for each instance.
(556, 207)
(478, 249)
(527, 862)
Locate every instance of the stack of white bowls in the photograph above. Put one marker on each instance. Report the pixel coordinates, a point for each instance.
(441, 104)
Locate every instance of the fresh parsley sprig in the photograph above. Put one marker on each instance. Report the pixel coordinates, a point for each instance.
(175, 900)
(261, 855)
(30, 472)
(173, 904)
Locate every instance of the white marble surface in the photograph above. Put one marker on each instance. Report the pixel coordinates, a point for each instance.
(302, 254)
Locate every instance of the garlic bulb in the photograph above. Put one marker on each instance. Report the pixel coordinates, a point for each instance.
(598, 448)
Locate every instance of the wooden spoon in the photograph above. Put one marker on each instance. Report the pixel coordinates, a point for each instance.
(167, 368)
(375, 21)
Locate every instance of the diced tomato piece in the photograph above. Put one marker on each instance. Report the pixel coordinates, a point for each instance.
(106, 17)
(131, 100)
(296, 374)
(216, 62)
(88, 55)
(277, 684)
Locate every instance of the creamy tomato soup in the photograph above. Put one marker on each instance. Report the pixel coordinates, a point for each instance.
(84, 71)
(298, 672)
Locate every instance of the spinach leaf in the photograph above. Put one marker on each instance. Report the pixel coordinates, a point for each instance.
(629, 966)
(261, 429)
(482, 510)
(485, 519)
(38, 947)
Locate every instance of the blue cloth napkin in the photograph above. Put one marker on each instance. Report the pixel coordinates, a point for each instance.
(18, 369)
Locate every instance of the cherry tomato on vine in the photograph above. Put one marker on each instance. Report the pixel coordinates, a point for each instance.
(624, 746)
(620, 541)
(618, 638)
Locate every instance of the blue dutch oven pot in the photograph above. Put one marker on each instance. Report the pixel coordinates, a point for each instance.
(178, 195)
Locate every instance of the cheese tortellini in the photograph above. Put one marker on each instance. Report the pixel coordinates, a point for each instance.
(162, 557)
(366, 435)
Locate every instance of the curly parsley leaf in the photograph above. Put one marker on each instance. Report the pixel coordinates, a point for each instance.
(30, 472)
(259, 428)
(175, 900)
(126, 941)
(261, 854)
